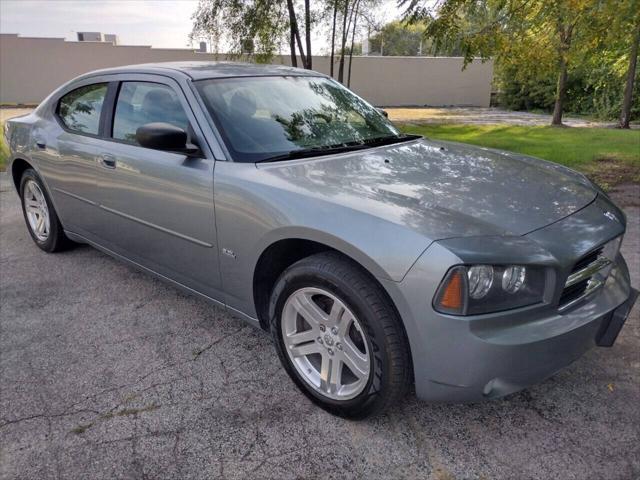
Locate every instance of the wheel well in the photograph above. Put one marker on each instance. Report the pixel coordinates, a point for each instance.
(277, 258)
(281, 255)
(17, 169)
(274, 260)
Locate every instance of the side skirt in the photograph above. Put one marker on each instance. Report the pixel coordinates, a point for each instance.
(236, 313)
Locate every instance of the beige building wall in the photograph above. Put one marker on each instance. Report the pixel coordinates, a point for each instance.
(31, 68)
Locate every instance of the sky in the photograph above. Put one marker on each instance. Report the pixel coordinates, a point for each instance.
(159, 23)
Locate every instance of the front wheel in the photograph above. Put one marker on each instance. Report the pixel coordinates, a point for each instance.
(338, 337)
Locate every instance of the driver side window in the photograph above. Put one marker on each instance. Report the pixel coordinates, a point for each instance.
(140, 103)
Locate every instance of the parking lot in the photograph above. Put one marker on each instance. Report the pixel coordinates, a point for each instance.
(106, 372)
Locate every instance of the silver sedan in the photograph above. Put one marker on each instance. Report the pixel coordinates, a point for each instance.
(375, 259)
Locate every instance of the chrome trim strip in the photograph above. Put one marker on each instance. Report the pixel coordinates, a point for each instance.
(157, 227)
(73, 195)
(588, 271)
(592, 287)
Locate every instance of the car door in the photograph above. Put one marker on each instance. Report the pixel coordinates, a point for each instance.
(68, 141)
(157, 206)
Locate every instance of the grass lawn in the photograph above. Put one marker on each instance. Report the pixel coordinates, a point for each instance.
(608, 155)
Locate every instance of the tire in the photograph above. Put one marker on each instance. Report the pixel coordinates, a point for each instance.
(37, 204)
(367, 338)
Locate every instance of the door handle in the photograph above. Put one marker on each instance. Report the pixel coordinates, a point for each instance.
(107, 161)
(40, 144)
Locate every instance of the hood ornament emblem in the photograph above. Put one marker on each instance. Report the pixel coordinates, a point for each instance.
(610, 216)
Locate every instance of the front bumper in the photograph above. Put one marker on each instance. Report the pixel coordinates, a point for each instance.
(470, 359)
(612, 323)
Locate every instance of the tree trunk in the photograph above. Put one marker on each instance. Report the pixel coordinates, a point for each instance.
(333, 35)
(625, 114)
(295, 33)
(343, 43)
(353, 37)
(303, 57)
(561, 91)
(292, 45)
(307, 32)
(565, 33)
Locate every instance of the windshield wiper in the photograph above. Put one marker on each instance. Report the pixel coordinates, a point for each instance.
(313, 152)
(341, 148)
(390, 139)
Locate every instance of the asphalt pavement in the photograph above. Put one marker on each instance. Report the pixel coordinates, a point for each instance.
(108, 373)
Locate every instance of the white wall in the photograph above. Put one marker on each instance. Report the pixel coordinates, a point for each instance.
(30, 68)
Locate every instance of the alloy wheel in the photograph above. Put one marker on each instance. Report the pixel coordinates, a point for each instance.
(325, 343)
(37, 210)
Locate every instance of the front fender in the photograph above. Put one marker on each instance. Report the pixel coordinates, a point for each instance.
(252, 215)
(337, 243)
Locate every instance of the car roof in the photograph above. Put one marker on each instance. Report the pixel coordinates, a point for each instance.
(198, 70)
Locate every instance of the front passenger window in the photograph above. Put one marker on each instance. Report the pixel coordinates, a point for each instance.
(140, 103)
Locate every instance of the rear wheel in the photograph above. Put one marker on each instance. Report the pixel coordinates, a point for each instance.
(338, 337)
(40, 216)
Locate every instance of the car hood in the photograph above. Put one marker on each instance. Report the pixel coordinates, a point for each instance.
(441, 189)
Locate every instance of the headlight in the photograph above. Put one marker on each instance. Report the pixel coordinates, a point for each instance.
(513, 278)
(480, 281)
(475, 289)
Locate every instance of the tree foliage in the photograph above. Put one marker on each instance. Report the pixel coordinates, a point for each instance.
(399, 39)
(556, 54)
(259, 28)
(246, 26)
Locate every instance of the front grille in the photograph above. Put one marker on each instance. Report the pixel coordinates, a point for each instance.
(588, 259)
(573, 292)
(586, 276)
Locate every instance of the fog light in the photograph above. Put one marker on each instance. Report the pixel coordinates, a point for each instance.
(513, 278)
(480, 280)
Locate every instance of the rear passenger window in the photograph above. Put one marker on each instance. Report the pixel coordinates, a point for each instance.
(140, 103)
(80, 109)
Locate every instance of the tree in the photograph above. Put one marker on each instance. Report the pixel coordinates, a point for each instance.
(343, 42)
(353, 36)
(400, 39)
(564, 17)
(352, 14)
(333, 35)
(295, 34)
(307, 32)
(625, 114)
(259, 27)
(259, 23)
(526, 76)
(491, 28)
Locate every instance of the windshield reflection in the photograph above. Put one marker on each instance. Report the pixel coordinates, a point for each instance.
(262, 117)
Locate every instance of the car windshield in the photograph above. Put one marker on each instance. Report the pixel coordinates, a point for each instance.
(263, 118)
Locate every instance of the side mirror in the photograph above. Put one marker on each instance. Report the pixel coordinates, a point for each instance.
(164, 136)
(383, 112)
